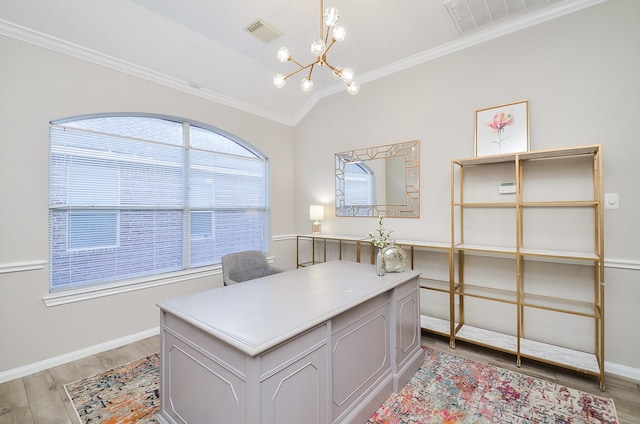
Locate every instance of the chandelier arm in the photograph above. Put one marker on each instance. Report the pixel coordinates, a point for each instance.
(298, 63)
(333, 41)
(302, 68)
(330, 66)
(311, 70)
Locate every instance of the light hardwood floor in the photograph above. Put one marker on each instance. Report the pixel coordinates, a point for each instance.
(40, 398)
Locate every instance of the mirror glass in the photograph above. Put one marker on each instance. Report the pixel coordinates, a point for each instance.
(382, 180)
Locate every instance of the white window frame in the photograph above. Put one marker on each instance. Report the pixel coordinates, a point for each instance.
(81, 292)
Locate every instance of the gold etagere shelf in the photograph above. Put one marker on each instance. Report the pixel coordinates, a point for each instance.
(552, 194)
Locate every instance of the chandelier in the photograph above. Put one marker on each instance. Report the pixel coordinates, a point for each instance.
(319, 48)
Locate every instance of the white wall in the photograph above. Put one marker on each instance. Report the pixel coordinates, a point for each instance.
(37, 86)
(580, 75)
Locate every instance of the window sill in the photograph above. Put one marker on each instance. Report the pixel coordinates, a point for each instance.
(86, 293)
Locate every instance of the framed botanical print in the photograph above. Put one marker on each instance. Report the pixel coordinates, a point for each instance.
(502, 129)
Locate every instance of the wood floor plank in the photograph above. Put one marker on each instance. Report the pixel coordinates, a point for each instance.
(17, 416)
(89, 366)
(14, 403)
(150, 345)
(66, 373)
(121, 355)
(47, 406)
(68, 406)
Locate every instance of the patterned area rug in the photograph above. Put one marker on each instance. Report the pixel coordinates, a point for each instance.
(453, 390)
(447, 390)
(127, 394)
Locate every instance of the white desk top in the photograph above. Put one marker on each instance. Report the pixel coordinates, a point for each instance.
(256, 315)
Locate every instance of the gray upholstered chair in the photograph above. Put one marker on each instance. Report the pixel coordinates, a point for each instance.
(243, 266)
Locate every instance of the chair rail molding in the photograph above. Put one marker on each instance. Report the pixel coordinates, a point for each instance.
(622, 264)
(22, 266)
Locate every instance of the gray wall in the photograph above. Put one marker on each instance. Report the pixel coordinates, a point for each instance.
(38, 86)
(580, 75)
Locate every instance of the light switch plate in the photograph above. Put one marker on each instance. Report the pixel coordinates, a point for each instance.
(611, 201)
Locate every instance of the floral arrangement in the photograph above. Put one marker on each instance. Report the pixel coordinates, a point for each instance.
(381, 237)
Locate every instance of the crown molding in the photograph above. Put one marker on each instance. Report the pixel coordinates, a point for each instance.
(481, 36)
(40, 39)
(55, 44)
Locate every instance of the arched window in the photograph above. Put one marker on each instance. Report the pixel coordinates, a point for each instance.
(135, 196)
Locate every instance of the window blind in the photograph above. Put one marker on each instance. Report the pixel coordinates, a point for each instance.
(130, 196)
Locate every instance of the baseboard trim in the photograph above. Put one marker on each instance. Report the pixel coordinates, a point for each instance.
(622, 371)
(72, 356)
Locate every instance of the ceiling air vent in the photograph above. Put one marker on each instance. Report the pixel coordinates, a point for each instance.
(263, 31)
(468, 15)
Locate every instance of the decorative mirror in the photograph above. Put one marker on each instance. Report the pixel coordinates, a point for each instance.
(382, 180)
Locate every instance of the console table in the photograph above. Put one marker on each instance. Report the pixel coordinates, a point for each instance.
(323, 238)
(321, 344)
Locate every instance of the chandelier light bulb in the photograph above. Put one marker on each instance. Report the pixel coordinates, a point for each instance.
(347, 74)
(283, 54)
(279, 81)
(353, 88)
(331, 16)
(317, 47)
(339, 33)
(306, 85)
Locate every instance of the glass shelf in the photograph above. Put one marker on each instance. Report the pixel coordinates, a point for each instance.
(498, 295)
(487, 205)
(562, 305)
(478, 248)
(560, 254)
(436, 285)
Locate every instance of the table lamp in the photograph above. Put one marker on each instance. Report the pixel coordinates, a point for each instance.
(316, 214)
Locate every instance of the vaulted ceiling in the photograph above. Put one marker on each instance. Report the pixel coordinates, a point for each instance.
(203, 47)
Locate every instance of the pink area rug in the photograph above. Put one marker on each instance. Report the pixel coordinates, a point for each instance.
(127, 394)
(453, 390)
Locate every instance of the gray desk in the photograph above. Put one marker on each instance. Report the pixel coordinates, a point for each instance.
(322, 344)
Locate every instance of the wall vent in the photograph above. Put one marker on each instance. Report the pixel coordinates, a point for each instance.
(263, 31)
(468, 15)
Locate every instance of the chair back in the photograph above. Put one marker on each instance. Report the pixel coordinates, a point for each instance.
(243, 266)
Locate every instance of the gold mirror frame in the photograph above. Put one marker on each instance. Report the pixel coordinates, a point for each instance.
(410, 151)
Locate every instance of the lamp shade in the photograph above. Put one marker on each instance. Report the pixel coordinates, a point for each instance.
(316, 212)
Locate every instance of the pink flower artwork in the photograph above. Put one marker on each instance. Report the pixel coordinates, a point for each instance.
(502, 129)
(500, 121)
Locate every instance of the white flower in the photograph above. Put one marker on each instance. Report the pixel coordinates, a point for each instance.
(381, 237)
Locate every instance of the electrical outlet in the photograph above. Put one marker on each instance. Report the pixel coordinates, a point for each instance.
(611, 201)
